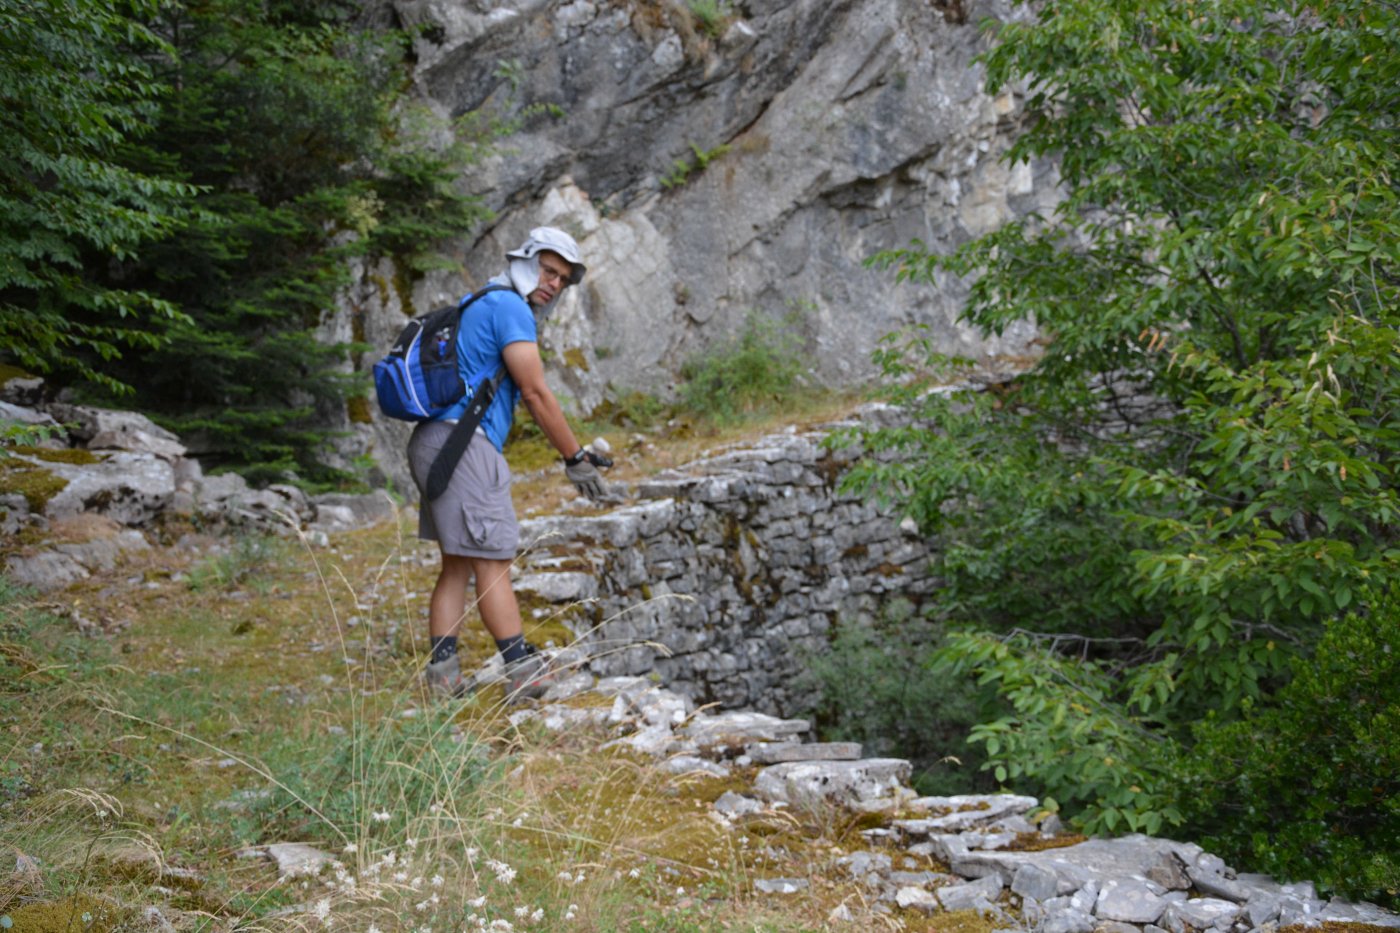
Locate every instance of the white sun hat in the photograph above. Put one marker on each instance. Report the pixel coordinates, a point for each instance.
(555, 241)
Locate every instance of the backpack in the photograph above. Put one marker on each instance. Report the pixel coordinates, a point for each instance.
(418, 380)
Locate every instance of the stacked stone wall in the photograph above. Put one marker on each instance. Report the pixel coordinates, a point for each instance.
(725, 578)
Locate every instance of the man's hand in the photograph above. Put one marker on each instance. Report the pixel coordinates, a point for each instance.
(582, 470)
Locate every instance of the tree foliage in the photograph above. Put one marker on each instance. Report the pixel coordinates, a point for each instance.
(291, 121)
(1309, 785)
(185, 188)
(71, 97)
(1198, 473)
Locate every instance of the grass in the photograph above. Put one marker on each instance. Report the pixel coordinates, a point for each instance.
(255, 691)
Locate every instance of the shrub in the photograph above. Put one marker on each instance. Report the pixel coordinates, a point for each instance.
(710, 15)
(757, 369)
(1308, 785)
(875, 687)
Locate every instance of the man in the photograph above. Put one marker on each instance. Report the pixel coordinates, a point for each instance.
(474, 521)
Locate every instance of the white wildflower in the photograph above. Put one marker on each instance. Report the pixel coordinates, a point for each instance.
(350, 848)
(381, 816)
(372, 929)
(479, 902)
(522, 912)
(472, 853)
(538, 915)
(504, 873)
(565, 876)
(400, 876)
(504, 926)
(410, 843)
(421, 906)
(634, 873)
(437, 881)
(322, 910)
(416, 883)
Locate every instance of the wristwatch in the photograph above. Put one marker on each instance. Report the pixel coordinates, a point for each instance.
(577, 458)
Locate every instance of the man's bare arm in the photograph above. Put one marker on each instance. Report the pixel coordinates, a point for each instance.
(527, 369)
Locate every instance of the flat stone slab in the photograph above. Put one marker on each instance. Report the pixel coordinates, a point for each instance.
(741, 728)
(958, 814)
(837, 782)
(1132, 902)
(778, 753)
(1125, 858)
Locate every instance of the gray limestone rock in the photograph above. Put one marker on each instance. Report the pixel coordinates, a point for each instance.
(1068, 921)
(732, 804)
(1344, 912)
(21, 414)
(1216, 884)
(738, 729)
(345, 512)
(131, 488)
(1128, 902)
(916, 898)
(781, 885)
(562, 587)
(568, 686)
(1201, 913)
(1039, 882)
(1115, 926)
(109, 429)
(293, 859)
(45, 570)
(973, 895)
(691, 764)
(867, 866)
(833, 782)
(772, 754)
(1263, 907)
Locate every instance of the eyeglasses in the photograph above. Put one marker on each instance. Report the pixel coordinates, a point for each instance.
(559, 278)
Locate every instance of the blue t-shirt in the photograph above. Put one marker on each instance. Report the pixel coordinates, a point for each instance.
(489, 325)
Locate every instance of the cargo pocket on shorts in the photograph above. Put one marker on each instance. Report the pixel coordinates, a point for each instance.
(490, 521)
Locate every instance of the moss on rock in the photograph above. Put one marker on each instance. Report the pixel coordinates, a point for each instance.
(35, 483)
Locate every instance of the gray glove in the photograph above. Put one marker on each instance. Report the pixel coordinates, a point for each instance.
(582, 471)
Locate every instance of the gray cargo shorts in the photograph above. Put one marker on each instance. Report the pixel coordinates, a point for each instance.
(474, 517)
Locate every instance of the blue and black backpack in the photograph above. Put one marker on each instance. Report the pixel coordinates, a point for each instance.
(418, 379)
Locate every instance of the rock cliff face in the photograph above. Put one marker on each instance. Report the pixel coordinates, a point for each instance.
(827, 131)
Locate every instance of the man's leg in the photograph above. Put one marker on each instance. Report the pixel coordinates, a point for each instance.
(448, 605)
(495, 598)
(446, 609)
(527, 673)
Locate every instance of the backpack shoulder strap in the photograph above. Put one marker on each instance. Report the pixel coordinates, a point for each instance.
(481, 293)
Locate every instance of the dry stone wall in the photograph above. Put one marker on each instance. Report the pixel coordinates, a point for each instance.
(723, 578)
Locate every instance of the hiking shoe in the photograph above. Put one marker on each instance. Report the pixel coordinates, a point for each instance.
(530, 677)
(445, 677)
